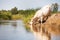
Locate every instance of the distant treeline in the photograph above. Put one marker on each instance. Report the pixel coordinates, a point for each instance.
(15, 14)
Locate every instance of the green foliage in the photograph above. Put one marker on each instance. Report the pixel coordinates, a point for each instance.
(2, 16)
(14, 10)
(5, 15)
(55, 9)
(27, 14)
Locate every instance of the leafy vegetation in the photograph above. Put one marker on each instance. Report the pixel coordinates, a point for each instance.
(55, 9)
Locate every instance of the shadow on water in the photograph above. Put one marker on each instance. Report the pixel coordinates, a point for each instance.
(14, 24)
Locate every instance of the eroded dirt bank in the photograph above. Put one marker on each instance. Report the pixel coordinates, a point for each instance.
(52, 24)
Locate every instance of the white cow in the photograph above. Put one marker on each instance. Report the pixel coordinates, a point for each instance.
(43, 13)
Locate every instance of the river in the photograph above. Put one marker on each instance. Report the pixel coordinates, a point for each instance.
(15, 30)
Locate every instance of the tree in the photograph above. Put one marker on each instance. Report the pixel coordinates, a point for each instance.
(55, 9)
(5, 15)
(14, 10)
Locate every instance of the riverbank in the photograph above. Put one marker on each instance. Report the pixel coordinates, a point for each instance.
(52, 24)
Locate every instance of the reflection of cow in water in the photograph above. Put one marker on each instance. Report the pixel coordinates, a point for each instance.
(40, 32)
(39, 18)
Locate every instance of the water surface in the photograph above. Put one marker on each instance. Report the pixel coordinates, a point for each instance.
(15, 31)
